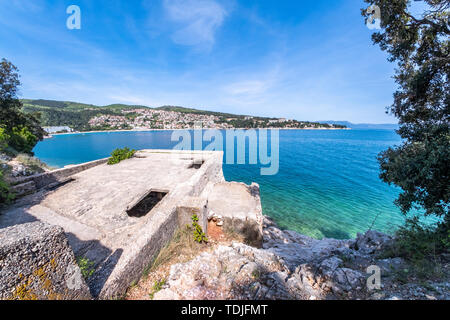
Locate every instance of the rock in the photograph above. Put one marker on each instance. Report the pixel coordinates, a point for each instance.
(229, 272)
(23, 189)
(292, 266)
(329, 266)
(392, 265)
(211, 214)
(370, 241)
(378, 296)
(36, 262)
(18, 170)
(354, 278)
(4, 157)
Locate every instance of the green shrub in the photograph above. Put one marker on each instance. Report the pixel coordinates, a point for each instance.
(22, 140)
(6, 196)
(120, 154)
(4, 139)
(421, 246)
(157, 287)
(86, 267)
(199, 235)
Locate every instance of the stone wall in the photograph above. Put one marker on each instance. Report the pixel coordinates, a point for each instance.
(193, 206)
(48, 178)
(37, 263)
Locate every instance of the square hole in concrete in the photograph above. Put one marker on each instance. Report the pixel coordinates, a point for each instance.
(146, 204)
(196, 165)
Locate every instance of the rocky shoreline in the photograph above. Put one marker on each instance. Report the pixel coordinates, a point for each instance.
(293, 266)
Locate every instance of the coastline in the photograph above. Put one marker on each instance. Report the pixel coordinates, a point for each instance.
(152, 130)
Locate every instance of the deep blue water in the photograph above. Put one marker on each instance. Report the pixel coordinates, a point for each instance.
(327, 185)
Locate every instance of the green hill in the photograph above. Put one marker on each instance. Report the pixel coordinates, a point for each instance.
(77, 115)
(67, 113)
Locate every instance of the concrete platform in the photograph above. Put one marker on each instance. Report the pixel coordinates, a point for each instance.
(92, 208)
(239, 205)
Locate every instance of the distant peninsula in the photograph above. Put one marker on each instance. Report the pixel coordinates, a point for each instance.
(66, 116)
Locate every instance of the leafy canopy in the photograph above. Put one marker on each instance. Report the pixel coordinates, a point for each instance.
(17, 130)
(419, 44)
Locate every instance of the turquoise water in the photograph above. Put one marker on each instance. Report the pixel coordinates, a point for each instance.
(327, 185)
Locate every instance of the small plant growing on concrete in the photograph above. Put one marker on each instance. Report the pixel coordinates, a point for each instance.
(199, 235)
(120, 154)
(86, 267)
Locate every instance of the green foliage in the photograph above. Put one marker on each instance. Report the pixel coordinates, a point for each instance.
(199, 235)
(77, 119)
(157, 286)
(256, 274)
(6, 196)
(18, 130)
(22, 140)
(419, 43)
(72, 114)
(421, 246)
(77, 116)
(86, 267)
(4, 139)
(120, 154)
(49, 103)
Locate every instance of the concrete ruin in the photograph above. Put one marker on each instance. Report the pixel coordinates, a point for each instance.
(239, 206)
(119, 217)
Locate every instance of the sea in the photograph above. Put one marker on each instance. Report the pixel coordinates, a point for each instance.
(327, 184)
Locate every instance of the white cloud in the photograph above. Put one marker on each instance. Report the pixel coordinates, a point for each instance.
(198, 20)
(247, 87)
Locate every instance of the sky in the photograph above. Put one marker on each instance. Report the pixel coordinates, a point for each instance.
(296, 59)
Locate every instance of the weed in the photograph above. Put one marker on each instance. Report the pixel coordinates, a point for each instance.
(86, 267)
(256, 274)
(199, 235)
(159, 284)
(120, 155)
(6, 195)
(420, 246)
(182, 244)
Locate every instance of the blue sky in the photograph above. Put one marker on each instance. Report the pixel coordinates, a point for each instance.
(307, 60)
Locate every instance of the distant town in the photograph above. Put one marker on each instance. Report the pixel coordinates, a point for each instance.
(62, 117)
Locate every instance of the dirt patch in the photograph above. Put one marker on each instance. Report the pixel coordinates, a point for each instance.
(215, 233)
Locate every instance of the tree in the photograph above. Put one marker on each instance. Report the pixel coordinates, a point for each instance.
(420, 46)
(18, 130)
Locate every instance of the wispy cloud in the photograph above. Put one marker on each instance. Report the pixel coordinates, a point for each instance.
(198, 20)
(247, 87)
